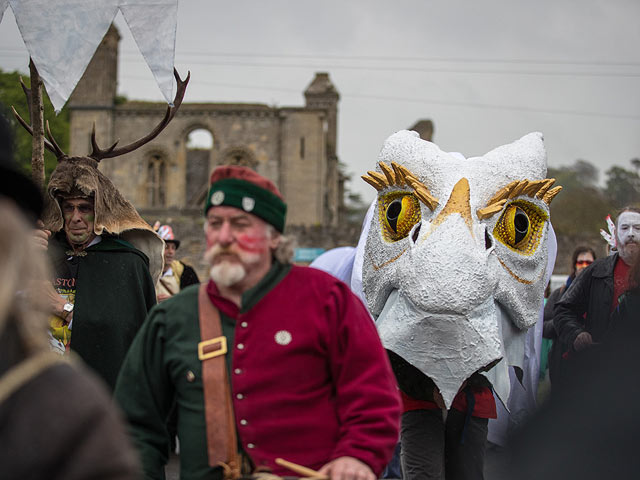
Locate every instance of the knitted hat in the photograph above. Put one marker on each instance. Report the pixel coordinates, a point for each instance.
(243, 188)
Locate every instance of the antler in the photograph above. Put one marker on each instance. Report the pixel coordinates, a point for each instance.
(98, 154)
(50, 144)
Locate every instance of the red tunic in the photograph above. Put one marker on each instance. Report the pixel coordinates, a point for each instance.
(484, 405)
(310, 379)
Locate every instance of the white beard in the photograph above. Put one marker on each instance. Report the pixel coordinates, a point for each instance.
(226, 274)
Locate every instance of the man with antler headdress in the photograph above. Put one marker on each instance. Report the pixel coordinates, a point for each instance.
(106, 258)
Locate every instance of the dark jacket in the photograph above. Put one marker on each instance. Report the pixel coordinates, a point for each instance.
(591, 293)
(189, 277)
(549, 329)
(114, 292)
(555, 361)
(624, 320)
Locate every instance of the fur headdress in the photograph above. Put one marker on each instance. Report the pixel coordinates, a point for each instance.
(113, 213)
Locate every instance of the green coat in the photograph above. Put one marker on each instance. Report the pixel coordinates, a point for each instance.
(162, 364)
(114, 292)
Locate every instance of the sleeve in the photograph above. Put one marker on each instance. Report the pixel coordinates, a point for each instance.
(367, 397)
(549, 329)
(145, 394)
(188, 277)
(571, 308)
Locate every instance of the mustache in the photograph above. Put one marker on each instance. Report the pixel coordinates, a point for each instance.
(217, 250)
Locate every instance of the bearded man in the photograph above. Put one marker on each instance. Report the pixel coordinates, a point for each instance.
(584, 311)
(310, 381)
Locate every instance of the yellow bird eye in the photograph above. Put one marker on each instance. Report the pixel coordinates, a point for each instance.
(399, 212)
(520, 227)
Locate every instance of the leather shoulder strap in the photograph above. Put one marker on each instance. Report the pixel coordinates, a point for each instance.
(26, 370)
(221, 429)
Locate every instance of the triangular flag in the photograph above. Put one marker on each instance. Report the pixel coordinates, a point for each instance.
(153, 26)
(3, 7)
(61, 38)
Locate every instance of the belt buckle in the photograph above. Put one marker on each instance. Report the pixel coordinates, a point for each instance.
(221, 351)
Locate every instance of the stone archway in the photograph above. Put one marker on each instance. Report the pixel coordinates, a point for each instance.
(199, 145)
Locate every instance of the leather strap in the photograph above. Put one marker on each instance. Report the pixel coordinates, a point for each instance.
(221, 429)
(22, 373)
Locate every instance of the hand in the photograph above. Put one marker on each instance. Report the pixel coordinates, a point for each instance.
(44, 295)
(582, 341)
(41, 236)
(347, 468)
(162, 297)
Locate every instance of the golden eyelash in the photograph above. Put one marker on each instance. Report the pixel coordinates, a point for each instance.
(540, 189)
(399, 176)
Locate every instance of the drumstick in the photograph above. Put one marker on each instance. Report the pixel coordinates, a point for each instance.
(300, 470)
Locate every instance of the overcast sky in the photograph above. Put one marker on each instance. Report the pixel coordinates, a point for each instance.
(486, 72)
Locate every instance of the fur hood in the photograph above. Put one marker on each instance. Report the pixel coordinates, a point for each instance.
(113, 213)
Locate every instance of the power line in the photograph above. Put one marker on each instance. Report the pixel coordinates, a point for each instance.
(404, 68)
(408, 58)
(398, 68)
(428, 101)
(510, 61)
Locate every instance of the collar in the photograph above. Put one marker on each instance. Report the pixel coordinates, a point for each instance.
(96, 240)
(603, 267)
(252, 296)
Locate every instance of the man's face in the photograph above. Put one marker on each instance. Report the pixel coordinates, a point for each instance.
(238, 243)
(169, 254)
(583, 260)
(78, 220)
(628, 236)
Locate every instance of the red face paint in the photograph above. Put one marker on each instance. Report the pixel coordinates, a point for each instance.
(252, 244)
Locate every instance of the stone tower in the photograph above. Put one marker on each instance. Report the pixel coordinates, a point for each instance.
(424, 128)
(322, 94)
(93, 100)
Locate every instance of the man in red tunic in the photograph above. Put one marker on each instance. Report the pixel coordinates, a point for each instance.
(310, 381)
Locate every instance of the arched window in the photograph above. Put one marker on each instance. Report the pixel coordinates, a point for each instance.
(199, 145)
(156, 181)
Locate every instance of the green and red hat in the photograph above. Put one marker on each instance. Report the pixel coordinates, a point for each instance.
(243, 188)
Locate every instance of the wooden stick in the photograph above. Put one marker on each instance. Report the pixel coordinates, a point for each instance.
(37, 124)
(301, 470)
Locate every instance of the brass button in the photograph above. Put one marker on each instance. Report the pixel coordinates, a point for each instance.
(190, 376)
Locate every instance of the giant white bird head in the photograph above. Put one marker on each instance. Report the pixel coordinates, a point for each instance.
(455, 259)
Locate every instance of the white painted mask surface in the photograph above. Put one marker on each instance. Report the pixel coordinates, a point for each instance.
(456, 255)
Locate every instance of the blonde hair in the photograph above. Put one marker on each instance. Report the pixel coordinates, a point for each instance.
(22, 263)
